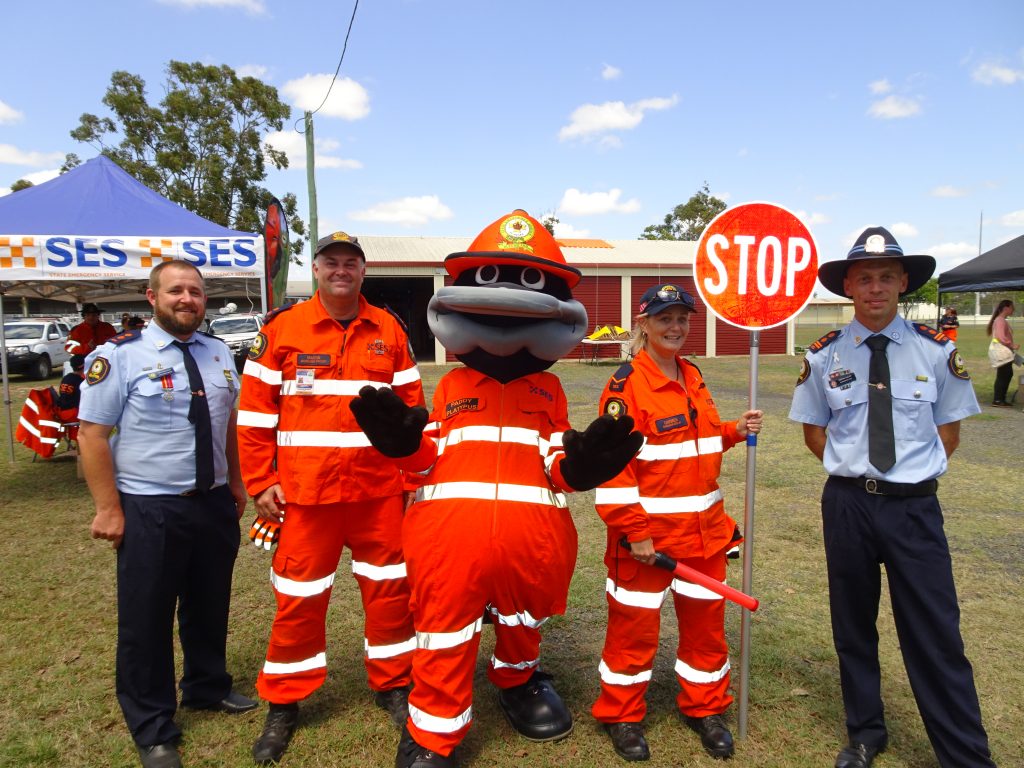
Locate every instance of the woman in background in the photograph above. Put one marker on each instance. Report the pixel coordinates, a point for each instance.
(1001, 332)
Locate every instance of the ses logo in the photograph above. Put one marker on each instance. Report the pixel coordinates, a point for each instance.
(79, 252)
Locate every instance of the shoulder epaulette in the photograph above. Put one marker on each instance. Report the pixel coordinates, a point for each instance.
(125, 336)
(824, 341)
(690, 362)
(617, 383)
(277, 311)
(207, 334)
(930, 333)
(401, 322)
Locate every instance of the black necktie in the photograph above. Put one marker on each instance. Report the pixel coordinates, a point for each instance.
(881, 442)
(199, 415)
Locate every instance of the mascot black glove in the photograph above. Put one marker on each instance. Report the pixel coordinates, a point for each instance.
(600, 453)
(393, 428)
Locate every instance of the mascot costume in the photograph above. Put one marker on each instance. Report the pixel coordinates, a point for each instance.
(490, 533)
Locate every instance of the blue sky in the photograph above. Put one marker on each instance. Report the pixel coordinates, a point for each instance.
(448, 114)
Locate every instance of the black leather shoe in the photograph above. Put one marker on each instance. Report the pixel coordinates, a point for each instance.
(857, 755)
(412, 755)
(277, 732)
(536, 710)
(394, 701)
(628, 740)
(160, 756)
(233, 704)
(714, 735)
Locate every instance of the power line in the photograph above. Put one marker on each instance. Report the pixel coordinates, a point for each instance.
(344, 48)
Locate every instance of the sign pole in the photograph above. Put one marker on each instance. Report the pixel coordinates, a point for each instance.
(748, 542)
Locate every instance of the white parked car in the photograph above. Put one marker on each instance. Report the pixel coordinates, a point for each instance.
(36, 345)
(238, 332)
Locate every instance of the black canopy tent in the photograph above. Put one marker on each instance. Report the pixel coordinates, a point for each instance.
(1001, 269)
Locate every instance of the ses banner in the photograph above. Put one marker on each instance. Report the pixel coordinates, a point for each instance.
(77, 257)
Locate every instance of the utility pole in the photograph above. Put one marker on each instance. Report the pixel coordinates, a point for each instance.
(311, 187)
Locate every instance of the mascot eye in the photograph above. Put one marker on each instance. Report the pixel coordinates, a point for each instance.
(487, 274)
(532, 278)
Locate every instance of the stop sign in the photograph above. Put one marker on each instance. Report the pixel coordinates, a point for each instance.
(755, 266)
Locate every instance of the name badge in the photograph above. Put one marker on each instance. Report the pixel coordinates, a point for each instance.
(670, 422)
(313, 361)
(841, 379)
(304, 378)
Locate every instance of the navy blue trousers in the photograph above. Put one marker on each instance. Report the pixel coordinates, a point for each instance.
(862, 531)
(177, 551)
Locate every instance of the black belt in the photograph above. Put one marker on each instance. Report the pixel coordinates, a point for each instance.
(885, 488)
(197, 492)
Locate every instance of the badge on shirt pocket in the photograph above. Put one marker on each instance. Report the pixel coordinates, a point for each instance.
(304, 380)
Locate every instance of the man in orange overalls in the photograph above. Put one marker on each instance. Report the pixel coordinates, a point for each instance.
(490, 531)
(307, 463)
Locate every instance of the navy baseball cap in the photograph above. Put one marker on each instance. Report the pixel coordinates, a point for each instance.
(660, 297)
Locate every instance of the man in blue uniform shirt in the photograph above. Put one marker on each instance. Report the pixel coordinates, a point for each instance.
(157, 442)
(881, 402)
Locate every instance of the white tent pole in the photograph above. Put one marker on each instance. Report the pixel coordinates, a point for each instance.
(6, 380)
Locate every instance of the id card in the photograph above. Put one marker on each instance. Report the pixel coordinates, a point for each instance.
(304, 378)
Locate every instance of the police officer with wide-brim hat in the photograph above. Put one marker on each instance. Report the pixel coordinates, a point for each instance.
(877, 243)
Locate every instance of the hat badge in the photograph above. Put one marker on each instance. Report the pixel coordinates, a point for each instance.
(517, 232)
(341, 237)
(875, 244)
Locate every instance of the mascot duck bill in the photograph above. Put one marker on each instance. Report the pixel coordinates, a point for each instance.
(509, 311)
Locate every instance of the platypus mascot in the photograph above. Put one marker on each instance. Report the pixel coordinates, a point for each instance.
(490, 532)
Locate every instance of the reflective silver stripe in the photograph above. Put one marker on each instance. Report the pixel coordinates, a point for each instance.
(32, 404)
(651, 600)
(261, 372)
(48, 423)
(679, 504)
(434, 724)
(692, 675)
(523, 619)
(614, 678)
(556, 439)
(378, 572)
(389, 651)
(499, 664)
(485, 434)
(346, 387)
(290, 668)
(408, 376)
(628, 495)
(696, 591)
(29, 427)
(323, 439)
(687, 449)
(436, 641)
(528, 494)
(257, 419)
(294, 588)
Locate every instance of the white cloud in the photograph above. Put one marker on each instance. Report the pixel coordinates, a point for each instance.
(894, 107)
(826, 197)
(608, 72)
(348, 99)
(251, 70)
(948, 190)
(11, 155)
(593, 120)
(903, 229)
(1012, 219)
(576, 203)
(9, 114)
(406, 211)
(294, 146)
(880, 86)
(811, 219)
(990, 73)
(566, 231)
(251, 6)
(946, 252)
(36, 178)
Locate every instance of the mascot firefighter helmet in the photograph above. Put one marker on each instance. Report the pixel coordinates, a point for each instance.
(510, 311)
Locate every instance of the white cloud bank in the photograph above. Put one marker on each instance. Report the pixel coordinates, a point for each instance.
(255, 7)
(347, 100)
(948, 190)
(894, 108)
(608, 72)
(597, 121)
(406, 211)
(11, 155)
(9, 114)
(990, 73)
(577, 203)
(294, 146)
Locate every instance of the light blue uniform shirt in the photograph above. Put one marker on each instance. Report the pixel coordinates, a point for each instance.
(926, 393)
(145, 395)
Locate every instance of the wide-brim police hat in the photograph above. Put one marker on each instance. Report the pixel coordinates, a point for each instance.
(877, 243)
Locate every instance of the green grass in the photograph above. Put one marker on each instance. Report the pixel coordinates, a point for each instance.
(58, 629)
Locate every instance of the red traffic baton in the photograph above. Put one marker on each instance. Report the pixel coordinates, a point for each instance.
(686, 573)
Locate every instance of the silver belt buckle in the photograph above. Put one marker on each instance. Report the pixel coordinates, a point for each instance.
(871, 486)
